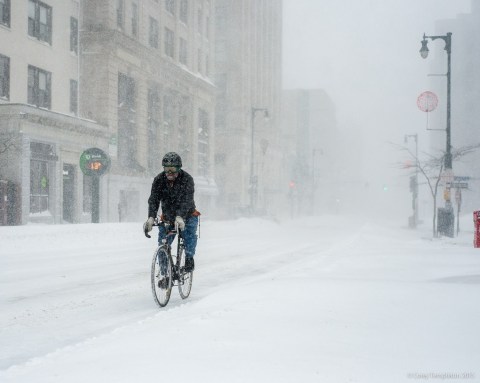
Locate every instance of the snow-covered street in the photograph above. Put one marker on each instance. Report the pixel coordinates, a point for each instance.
(326, 299)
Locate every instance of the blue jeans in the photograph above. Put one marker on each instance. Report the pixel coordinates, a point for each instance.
(189, 236)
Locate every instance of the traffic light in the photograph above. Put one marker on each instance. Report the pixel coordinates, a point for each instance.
(413, 185)
(446, 194)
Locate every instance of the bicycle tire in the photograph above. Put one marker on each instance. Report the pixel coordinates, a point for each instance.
(161, 294)
(185, 279)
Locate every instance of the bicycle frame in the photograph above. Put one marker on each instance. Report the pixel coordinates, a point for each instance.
(173, 230)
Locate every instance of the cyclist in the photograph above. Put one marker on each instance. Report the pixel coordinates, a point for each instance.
(174, 189)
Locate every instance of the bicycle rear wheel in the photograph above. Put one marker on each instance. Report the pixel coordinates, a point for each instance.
(185, 279)
(161, 276)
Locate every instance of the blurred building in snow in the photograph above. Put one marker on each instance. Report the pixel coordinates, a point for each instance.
(248, 76)
(310, 141)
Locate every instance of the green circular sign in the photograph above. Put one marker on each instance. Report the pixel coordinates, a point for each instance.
(94, 162)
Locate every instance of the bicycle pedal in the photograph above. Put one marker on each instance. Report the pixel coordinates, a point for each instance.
(163, 283)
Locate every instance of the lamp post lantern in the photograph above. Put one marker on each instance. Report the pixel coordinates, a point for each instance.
(424, 53)
(253, 177)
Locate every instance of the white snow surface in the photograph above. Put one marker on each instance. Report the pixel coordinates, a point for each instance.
(319, 299)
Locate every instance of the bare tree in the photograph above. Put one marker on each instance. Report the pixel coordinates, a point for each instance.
(8, 142)
(432, 169)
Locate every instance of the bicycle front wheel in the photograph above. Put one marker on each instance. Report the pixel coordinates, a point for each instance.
(185, 279)
(161, 276)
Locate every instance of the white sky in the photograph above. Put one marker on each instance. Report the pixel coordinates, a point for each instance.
(347, 46)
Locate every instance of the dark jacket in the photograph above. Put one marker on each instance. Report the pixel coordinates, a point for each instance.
(176, 198)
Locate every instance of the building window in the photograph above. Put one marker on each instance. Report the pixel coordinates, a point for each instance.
(168, 118)
(153, 33)
(4, 77)
(184, 11)
(170, 6)
(134, 20)
(207, 66)
(39, 190)
(40, 20)
(203, 143)
(154, 118)
(183, 132)
(74, 97)
(200, 21)
(127, 146)
(207, 28)
(39, 87)
(120, 14)
(199, 61)
(169, 43)
(5, 12)
(40, 155)
(73, 35)
(183, 51)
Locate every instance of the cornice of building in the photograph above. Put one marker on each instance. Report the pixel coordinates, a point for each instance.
(52, 119)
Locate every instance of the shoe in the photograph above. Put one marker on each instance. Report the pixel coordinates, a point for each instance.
(189, 264)
(163, 283)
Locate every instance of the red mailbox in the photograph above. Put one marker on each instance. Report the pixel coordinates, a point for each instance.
(476, 223)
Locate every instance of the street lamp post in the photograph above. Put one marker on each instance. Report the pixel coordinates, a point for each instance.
(448, 220)
(253, 178)
(424, 53)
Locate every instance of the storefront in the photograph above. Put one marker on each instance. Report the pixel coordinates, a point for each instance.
(40, 169)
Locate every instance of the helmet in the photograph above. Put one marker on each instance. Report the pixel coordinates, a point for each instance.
(172, 159)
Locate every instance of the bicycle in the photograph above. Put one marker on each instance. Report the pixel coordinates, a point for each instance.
(168, 270)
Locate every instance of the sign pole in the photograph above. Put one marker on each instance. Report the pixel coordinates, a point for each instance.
(95, 199)
(458, 198)
(94, 163)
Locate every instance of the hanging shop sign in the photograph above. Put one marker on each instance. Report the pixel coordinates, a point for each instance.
(94, 162)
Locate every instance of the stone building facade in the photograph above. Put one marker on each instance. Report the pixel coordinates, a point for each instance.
(248, 76)
(146, 73)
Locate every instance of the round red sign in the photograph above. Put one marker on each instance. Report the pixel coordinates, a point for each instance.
(427, 101)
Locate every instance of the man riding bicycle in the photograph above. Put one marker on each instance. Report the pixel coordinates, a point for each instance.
(174, 189)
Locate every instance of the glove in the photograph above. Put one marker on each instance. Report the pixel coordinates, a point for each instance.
(147, 226)
(180, 222)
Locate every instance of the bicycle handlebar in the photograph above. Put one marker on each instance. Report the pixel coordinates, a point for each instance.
(175, 231)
